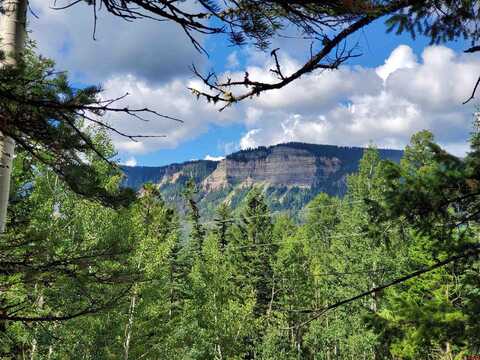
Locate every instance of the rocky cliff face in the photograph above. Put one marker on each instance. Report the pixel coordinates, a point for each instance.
(283, 166)
(218, 179)
(289, 173)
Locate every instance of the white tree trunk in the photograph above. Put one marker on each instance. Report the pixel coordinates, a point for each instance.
(12, 43)
(129, 327)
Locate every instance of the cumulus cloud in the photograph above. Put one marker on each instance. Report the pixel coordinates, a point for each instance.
(152, 50)
(350, 106)
(171, 98)
(400, 58)
(354, 105)
(383, 105)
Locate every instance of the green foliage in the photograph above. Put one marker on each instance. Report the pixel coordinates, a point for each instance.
(454, 21)
(436, 194)
(249, 285)
(63, 256)
(52, 121)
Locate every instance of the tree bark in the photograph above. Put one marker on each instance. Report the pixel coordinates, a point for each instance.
(12, 44)
(129, 327)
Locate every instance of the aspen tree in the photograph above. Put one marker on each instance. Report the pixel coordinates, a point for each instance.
(12, 43)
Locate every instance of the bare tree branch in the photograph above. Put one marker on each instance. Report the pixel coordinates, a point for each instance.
(473, 92)
(222, 92)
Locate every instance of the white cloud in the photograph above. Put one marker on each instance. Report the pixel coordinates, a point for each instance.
(131, 161)
(173, 99)
(214, 158)
(311, 92)
(384, 105)
(249, 140)
(232, 60)
(152, 50)
(351, 106)
(400, 58)
(442, 81)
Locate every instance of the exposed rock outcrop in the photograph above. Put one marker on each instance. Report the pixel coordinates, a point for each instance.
(217, 180)
(283, 166)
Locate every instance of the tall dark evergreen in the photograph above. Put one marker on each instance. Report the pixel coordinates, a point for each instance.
(223, 224)
(197, 233)
(258, 248)
(432, 192)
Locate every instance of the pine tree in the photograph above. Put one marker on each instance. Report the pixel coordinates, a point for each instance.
(223, 223)
(197, 233)
(251, 253)
(435, 313)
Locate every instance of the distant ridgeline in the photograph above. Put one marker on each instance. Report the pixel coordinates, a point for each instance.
(290, 174)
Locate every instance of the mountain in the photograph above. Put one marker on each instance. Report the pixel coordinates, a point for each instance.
(290, 174)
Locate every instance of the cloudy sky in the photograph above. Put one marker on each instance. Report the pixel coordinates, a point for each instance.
(399, 86)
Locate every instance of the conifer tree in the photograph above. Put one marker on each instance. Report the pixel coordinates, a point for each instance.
(432, 314)
(251, 253)
(197, 233)
(223, 223)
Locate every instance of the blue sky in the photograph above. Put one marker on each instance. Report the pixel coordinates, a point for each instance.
(397, 87)
(375, 44)
(216, 142)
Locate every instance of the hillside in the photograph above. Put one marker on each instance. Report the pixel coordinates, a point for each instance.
(291, 174)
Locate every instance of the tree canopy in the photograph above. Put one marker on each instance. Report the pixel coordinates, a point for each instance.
(388, 271)
(80, 280)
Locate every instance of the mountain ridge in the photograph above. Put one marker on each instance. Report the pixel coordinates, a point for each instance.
(290, 174)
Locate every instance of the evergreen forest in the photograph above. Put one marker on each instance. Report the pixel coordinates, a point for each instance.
(361, 276)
